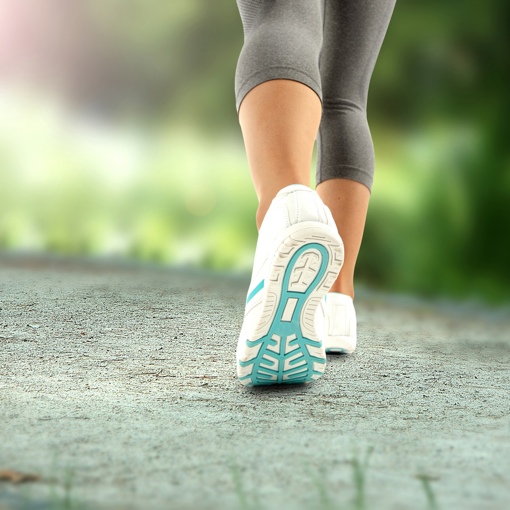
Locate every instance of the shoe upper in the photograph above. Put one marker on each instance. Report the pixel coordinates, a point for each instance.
(296, 221)
(293, 204)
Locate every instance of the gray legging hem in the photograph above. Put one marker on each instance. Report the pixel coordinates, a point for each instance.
(275, 73)
(346, 172)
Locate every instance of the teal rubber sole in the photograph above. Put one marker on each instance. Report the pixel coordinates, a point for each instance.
(285, 354)
(335, 350)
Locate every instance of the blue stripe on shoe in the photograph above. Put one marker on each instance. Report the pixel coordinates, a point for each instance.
(255, 290)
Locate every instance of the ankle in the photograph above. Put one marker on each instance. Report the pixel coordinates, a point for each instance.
(261, 213)
(343, 288)
(267, 195)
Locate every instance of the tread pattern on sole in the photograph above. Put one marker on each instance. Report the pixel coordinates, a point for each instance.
(289, 351)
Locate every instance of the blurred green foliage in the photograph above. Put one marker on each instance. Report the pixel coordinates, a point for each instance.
(168, 179)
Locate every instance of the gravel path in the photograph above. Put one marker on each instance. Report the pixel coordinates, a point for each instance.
(119, 380)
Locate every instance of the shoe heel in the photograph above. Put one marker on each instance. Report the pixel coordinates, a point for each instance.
(287, 348)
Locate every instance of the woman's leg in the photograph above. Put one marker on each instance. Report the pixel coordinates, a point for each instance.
(352, 38)
(348, 203)
(279, 120)
(278, 93)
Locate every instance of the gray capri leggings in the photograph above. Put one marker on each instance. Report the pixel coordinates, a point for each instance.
(332, 47)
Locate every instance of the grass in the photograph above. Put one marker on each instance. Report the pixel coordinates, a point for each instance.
(319, 480)
(59, 482)
(359, 470)
(246, 502)
(325, 501)
(429, 493)
(61, 495)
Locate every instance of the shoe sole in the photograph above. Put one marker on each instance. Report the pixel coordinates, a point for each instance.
(287, 349)
(339, 350)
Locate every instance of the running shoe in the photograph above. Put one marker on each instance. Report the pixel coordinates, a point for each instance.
(298, 256)
(336, 323)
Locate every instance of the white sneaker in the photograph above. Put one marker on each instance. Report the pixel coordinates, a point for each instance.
(336, 323)
(297, 258)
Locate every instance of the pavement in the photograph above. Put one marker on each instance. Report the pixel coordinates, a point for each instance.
(118, 391)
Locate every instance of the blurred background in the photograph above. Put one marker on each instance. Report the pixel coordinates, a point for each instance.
(119, 138)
